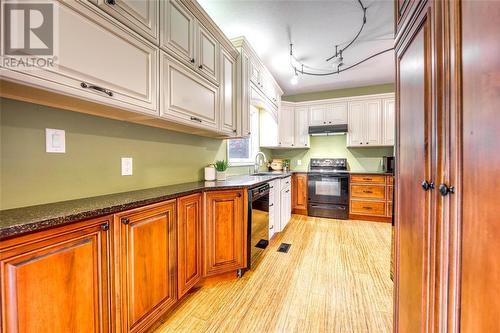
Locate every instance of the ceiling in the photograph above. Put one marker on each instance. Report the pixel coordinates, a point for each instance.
(314, 27)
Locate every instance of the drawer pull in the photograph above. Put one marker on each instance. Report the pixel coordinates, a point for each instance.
(238, 195)
(367, 207)
(365, 191)
(111, 2)
(196, 119)
(271, 205)
(367, 179)
(192, 60)
(94, 87)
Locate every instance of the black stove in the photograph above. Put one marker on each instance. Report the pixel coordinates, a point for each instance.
(328, 188)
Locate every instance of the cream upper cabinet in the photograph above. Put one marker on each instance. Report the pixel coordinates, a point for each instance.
(302, 127)
(255, 73)
(107, 65)
(228, 97)
(268, 129)
(365, 123)
(139, 15)
(208, 51)
(317, 115)
(177, 33)
(388, 122)
(286, 126)
(244, 94)
(337, 114)
(186, 97)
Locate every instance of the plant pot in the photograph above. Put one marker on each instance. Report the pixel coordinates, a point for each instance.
(221, 175)
(209, 173)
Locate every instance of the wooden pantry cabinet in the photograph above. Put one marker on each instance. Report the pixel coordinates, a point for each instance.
(370, 197)
(57, 280)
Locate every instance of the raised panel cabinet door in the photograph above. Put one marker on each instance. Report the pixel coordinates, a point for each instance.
(57, 280)
(189, 224)
(228, 93)
(317, 115)
(108, 64)
(268, 129)
(301, 126)
(208, 54)
(177, 30)
(413, 220)
(337, 114)
(356, 114)
(388, 122)
(373, 123)
(141, 16)
(255, 73)
(187, 97)
(299, 191)
(224, 232)
(244, 95)
(148, 263)
(286, 128)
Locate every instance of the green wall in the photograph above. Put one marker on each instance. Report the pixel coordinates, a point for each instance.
(92, 162)
(359, 159)
(348, 92)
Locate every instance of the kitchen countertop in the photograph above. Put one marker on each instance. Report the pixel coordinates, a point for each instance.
(17, 221)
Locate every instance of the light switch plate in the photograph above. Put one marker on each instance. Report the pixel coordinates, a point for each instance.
(55, 140)
(127, 166)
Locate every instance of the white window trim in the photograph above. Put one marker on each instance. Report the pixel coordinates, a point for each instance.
(254, 148)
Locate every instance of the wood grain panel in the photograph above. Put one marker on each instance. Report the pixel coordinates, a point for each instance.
(373, 179)
(189, 212)
(299, 192)
(368, 191)
(57, 280)
(368, 207)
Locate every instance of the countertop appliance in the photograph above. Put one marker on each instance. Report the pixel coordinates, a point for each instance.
(389, 164)
(258, 223)
(328, 188)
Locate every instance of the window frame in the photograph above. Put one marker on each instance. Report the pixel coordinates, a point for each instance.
(253, 141)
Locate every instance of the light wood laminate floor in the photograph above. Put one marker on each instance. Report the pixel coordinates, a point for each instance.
(335, 278)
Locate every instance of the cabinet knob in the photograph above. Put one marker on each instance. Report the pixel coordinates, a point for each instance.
(367, 143)
(238, 195)
(105, 226)
(192, 60)
(125, 221)
(427, 186)
(445, 189)
(234, 131)
(111, 2)
(200, 67)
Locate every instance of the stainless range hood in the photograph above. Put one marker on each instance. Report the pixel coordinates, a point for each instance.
(328, 130)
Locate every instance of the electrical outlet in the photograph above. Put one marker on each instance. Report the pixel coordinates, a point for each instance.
(127, 166)
(55, 140)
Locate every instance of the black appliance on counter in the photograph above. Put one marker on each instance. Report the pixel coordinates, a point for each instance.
(328, 188)
(258, 223)
(389, 164)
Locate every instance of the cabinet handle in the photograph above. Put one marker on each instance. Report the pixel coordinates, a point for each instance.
(271, 205)
(94, 87)
(111, 2)
(234, 131)
(105, 226)
(427, 186)
(200, 67)
(238, 195)
(445, 189)
(196, 119)
(271, 227)
(367, 179)
(125, 221)
(287, 190)
(364, 191)
(367, 208)
(192, 60)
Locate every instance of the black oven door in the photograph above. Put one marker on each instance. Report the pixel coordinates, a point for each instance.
(328, 188)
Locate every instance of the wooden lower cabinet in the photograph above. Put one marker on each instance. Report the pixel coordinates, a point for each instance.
(370, 197)
(299, 193)
(225, 231)
(189, 224)
(57, 280)
(146, 241)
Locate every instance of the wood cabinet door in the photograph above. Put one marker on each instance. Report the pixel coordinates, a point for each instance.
(225, 230)
(372, 126)
(413, 204)
(355, 135)
(227, 94)
(337, 114)
(186, 97)
(189, 224)
(140, 16)
(302, 126)
(388, 122)
(299, 191)
(148, 263)
(286, 128)
(177, 26)
(317, 115)
(57, 280)
(208, 54)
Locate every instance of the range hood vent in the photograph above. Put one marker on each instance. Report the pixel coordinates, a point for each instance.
(328, 130)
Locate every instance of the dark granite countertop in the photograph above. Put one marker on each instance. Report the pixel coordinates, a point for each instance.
(17, 221)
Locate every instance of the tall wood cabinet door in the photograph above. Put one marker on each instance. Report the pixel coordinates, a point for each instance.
(301, 126)
(224, 232)
(177, 30)
(413, 204)
(356, 114)
(388, 122)
(208, 54)
(372, 126)
(57, 280)
(299, 191)
(186, 97)
(140, 16)
(189, 224)
(228, 93)
(336, 114)
(148, 263)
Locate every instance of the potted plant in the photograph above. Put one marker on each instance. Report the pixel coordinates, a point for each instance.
(221, 167)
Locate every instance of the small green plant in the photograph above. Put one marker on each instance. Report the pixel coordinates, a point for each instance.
(221, 165)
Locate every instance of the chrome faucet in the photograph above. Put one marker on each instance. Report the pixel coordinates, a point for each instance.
(259, 161)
